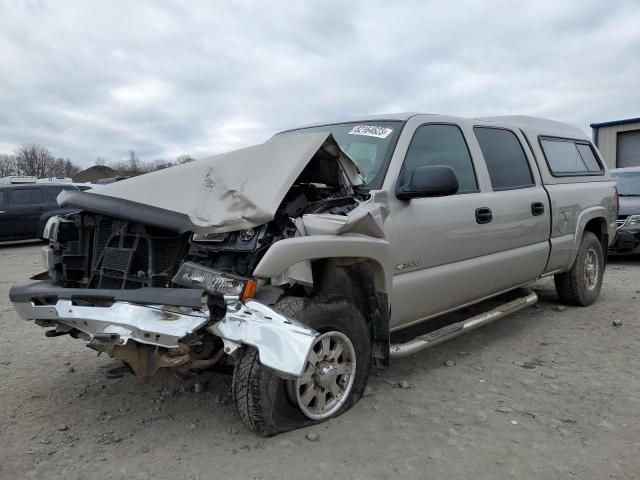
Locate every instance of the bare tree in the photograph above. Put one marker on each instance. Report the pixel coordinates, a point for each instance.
(184, 159)
(134, 163)
(34, 160)
(7, 165)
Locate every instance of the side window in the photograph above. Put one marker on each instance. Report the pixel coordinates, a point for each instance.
(440, 145)
(507, 164)
(3, 201)
(53, 192)
(26, 196)
(567, 157)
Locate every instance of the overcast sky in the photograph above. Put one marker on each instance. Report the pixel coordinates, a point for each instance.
(90, 79)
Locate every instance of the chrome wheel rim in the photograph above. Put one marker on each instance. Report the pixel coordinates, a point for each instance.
(591, 269)
(328, 376)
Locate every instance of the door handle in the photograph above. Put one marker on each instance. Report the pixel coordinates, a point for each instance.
(483, 215)
(537, 208)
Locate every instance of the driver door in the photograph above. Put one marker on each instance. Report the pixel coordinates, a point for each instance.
(440, 247)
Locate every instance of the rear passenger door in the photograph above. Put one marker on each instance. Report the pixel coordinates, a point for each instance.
(518, 207)
(26, 206)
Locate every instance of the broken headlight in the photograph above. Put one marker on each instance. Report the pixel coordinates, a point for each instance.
(193, 275)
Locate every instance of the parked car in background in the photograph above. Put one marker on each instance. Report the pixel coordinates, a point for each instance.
(294, 260)
(628, 235)
(26, 207)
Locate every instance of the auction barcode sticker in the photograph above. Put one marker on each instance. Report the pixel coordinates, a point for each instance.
(371, 131)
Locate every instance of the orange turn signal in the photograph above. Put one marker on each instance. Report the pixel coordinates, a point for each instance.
(249, 290)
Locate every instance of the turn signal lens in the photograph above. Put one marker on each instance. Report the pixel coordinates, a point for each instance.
(249, 290)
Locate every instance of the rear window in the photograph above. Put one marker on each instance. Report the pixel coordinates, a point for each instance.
(570, 157)
(507, 164)
(26, 196)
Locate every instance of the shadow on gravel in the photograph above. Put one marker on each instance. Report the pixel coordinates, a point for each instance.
(20, 244)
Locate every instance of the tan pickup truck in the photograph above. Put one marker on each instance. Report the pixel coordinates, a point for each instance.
(291, 262)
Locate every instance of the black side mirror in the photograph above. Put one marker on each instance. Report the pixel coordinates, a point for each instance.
(429, 181)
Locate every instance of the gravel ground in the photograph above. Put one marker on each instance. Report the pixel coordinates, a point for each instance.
(546, 393)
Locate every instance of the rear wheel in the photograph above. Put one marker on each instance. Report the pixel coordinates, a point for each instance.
(581, 285)
(334, 377)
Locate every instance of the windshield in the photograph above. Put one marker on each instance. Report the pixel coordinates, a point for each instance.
(369, 144)
(628, 183)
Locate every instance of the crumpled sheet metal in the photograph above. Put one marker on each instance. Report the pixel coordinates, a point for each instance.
(232, 191)
(365, 219)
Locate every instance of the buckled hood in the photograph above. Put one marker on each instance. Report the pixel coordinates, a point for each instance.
(232, 191)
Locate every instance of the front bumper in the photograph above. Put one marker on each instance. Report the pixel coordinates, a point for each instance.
(162, 317)
(627, 240)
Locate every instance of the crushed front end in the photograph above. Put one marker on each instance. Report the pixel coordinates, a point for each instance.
(158, 270)
(154, 298)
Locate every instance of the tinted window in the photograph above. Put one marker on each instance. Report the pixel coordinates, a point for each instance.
(590, 160)
(53, 192)
(440, 145)
(26, 196)
(2, 199)
(569, 157)
(507, 164)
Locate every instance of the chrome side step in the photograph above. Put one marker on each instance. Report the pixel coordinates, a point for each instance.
(430, 339)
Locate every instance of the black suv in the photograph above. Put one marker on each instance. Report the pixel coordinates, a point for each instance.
(25, 208)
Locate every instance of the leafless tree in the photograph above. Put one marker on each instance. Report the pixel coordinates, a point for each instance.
(34, 160)
(7, 165)
(184, 159)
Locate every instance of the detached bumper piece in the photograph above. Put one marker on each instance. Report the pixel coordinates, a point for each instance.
(283, 343)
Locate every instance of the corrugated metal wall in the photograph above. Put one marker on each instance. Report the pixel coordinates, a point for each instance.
(607, 140)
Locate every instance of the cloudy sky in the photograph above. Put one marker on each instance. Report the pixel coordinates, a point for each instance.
(166, 78)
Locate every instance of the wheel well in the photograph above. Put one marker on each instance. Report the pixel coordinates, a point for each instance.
(358, 280)
(598, 226)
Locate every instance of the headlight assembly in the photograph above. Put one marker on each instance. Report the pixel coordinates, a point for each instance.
(193, 275)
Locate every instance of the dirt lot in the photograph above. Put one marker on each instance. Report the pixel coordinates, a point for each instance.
(547, 393)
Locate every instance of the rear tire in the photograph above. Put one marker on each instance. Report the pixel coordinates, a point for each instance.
(268, 404)
(581, 285)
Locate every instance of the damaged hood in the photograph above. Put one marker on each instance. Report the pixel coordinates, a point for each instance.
(232, 191)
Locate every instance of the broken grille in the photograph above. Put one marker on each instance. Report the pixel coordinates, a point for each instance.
(125, 257)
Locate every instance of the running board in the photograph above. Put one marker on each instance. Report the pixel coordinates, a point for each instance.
(450, 331)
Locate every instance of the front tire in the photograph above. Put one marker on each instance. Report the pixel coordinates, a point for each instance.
(581, 285)
(334, 378)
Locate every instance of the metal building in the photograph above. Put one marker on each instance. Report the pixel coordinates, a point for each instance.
(618, 142)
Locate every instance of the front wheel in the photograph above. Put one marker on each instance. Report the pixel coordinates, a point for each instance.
(581, 285)
(334, 377)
